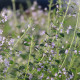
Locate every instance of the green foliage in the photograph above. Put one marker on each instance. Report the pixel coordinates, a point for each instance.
(32, 47)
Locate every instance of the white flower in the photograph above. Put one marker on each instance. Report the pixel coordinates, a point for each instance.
(66, 51)
(52, 79)
(67, 31)
(75, 51)
(69, 27)
(1, 59)
(56, 74)
(1, 31)
(42, 33)
(11, 42)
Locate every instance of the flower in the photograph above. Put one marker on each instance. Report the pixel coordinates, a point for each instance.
(75, 51)
(69, 27)
(61, 30)
(66, 51)
(38, 69)
(67, 31)
(56, 74)
(1, 31)
(42, 33)
(1, 60)
(52, 79)
(47, 77)
(6, 62)
(52, 51)
(53, 45)
(11, 42)
(63, 69)
(79, 52)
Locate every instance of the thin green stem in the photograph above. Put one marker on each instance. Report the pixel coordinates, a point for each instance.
(62, 24)
(30, 54)
(59, 4)
(27, 68)
(14, 16)
(20, 38)
(65, 14)
(75, 76)
(71, 42)
(14, 48)
(48, 26)
(73, 55)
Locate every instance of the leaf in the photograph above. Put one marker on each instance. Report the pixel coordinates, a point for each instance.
(15, 69)
(54, 30)
(58, 61)
(62, 51)
(49, 40)
(41, 44)
(24, 56)
(31, 64)
(55, 70)
(3, 54)
(46, 67)
(21, 67)
(29, 37)
(33, 55)
(6, 50)
(26, 44)
(54, 66)
(18, 26)
(70, 72)
(11, 62)
(26, 78)
(78, 34)
(26, 39)
(61, 34)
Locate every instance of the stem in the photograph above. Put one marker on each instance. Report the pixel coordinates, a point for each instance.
(75, 77)
(59, 4)
(14, 48)
(71, 42)
(61, 24)
(48, 28)
(30, 52)
(14, 15)
(20, 39)
(73, 55)
(65, 14)
(29, 55)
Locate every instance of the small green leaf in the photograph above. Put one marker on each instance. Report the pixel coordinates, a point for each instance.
(61, 34)
(24, 56)
(78, 34)
(28, 40)
(18, 26)
(31, 64)
(11, 62)
(15, 69)
(3, 54)
(21, 67)
(26, 78)
(41, 44)
(26, 44)
(58, 61)
(70, 72)
(62, 51)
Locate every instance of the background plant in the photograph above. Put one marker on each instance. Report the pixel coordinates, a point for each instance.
(39, 45)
